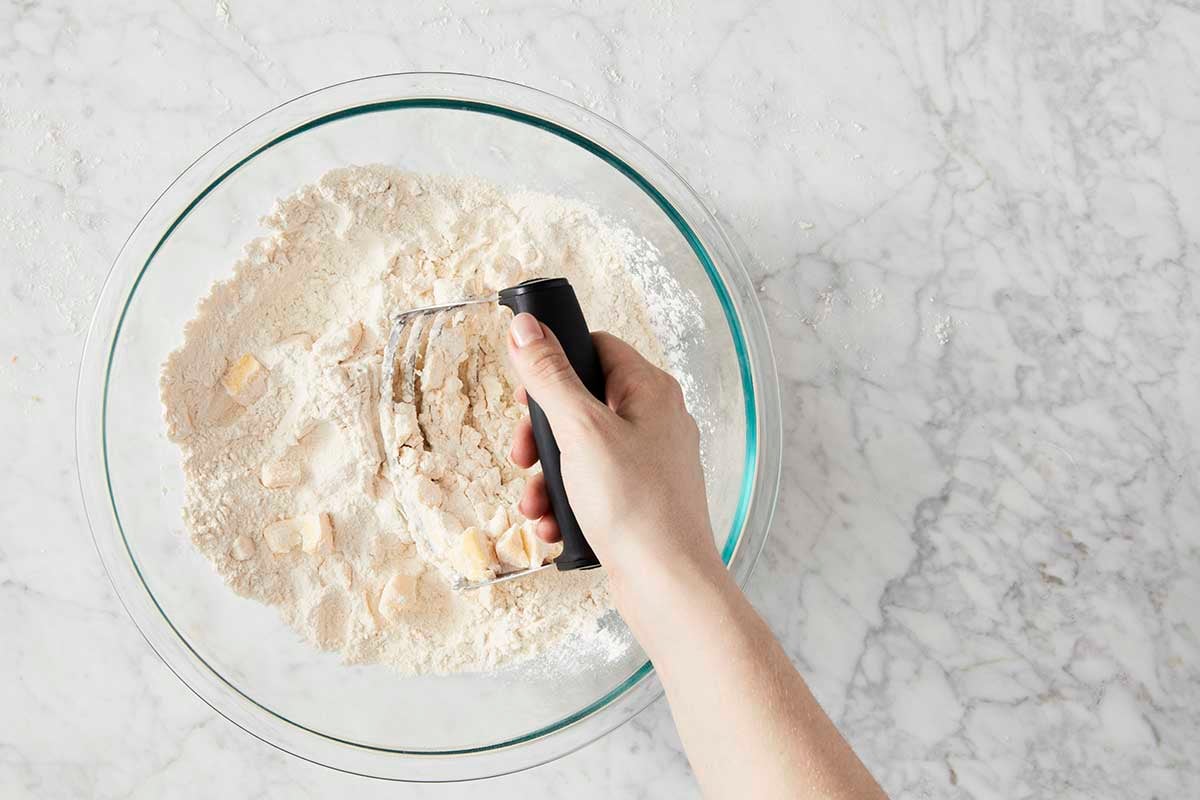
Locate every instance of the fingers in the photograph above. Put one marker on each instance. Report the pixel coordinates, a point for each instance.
(524, 449)
(547, 529)
(546, 373)
(616, 355)
(626, 375)
(535, 502)
(624, 367)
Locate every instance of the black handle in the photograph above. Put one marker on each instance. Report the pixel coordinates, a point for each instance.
(552, 301)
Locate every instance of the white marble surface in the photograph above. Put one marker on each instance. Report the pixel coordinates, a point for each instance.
(976, 227)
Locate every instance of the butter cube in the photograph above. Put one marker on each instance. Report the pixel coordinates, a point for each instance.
(520, 548)
(280, 474)
(474, 555)
(537, 551)
(313, 533)
(510, 548)
(245, 380)
(316, 534)
(282, 536)
(242, 548)
(398, 593)
(498, 524)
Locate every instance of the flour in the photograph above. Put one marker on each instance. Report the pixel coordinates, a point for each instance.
(274, 400)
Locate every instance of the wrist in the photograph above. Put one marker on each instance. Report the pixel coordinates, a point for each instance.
(657, 595)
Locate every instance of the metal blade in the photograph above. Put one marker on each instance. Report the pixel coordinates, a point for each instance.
(464, 585)
(403, 316)
(400, 357)
(394, 358)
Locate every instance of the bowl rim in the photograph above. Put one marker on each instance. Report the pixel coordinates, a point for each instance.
(391, 91)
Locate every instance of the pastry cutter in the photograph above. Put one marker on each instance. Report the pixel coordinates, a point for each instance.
(552, 302)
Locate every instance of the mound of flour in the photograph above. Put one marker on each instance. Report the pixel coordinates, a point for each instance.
(273, 399)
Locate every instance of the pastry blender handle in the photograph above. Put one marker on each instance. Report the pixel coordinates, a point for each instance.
(552, 301)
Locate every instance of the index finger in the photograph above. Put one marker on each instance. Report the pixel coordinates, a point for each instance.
(616, 355)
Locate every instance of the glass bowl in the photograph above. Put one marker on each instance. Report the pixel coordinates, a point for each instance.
(236, 654)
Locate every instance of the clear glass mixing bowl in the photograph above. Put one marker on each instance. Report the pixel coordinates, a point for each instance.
(235, 653)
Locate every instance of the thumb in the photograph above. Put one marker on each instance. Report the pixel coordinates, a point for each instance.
(546, 373)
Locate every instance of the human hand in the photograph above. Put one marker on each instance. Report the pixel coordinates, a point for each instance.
(631, 467)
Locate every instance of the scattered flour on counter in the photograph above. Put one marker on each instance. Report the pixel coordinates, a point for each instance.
(943, 329)
(274, 400)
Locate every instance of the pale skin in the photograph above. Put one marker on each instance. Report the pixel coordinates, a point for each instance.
(749, 724)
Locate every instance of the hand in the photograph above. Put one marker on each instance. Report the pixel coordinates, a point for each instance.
(631, 468)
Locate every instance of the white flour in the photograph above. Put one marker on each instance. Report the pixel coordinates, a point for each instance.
(273, 399)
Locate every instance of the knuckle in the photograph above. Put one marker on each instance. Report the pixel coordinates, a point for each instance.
(592, 420)
(638, 379)
(651, 377)
(550, 366)
(671, 388)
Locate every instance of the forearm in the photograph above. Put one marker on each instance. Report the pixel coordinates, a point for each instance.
(749, 724)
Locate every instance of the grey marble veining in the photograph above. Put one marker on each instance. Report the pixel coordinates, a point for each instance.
(975, 230)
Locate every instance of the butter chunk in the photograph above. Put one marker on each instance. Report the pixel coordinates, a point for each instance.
(282, 536)
(475, 556)
(245, 380)
(280, 474)
(498, 524)
(537, 551)
(519, 547)
(313, 533)
(399, 593)
(510, 548)
(316, 534)
(242, 548)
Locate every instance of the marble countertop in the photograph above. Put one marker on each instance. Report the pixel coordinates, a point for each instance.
(975, 229)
